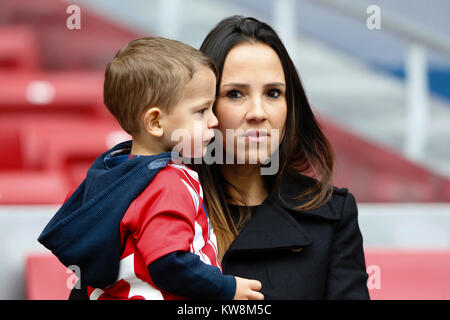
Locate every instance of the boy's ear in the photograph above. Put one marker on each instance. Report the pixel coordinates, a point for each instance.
(153, 122)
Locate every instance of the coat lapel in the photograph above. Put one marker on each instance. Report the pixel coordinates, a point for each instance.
(273, 225)
(270, 228)
(292, 185)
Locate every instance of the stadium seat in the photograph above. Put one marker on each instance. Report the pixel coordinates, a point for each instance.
(86, 49)
(33, 187)
(393, 178)
(18, 49)
(393, 275)
(54, 136)
(46, 278)
(408, 275)
(48, 156)
(10, 140)
(50, 93)
(70, 146)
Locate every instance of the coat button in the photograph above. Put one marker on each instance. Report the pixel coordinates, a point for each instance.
(297, 249)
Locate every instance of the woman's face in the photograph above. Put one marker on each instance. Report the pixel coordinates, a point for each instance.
(251, 102)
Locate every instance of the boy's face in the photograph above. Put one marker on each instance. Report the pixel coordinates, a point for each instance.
(190, 125)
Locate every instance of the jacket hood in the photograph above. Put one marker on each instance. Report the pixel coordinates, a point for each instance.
(85, 230)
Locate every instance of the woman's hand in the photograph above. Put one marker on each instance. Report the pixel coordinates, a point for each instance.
(247, 289)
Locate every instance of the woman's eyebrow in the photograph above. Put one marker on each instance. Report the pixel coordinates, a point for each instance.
(243, 85)
(274, 84)
(235, 84)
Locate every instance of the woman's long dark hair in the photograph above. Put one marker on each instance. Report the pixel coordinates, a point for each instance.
(304, 147)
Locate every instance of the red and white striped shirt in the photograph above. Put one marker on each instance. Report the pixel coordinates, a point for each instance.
(168, 216)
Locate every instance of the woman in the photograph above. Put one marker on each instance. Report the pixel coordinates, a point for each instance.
(297, 235)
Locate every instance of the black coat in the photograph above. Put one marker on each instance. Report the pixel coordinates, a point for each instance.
(314, 254)
(310, 254)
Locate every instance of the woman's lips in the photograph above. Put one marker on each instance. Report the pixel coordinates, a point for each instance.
(256, 135)
(256, 139)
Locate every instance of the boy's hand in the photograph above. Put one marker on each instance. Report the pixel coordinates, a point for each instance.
(247, 289)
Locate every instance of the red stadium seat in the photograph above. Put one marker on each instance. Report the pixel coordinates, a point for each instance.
(50, 93)
(56, 136)
(408, 275)
(46, 278)
(33, 187)
(393, 275)
(49, 156)
(71, 146)
(86, 49)
(393, 178)
(18, 49)
(10, 140)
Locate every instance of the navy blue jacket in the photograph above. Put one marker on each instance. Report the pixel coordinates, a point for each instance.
(85, 230)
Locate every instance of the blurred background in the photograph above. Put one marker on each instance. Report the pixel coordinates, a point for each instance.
(377, 73)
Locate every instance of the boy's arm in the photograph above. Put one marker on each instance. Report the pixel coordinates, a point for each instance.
(184, 274)
(163, 222)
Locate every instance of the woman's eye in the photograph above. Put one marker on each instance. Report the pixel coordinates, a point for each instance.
(234, 94)
(273, 93)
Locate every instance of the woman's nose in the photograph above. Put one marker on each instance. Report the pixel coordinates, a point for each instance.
(256, 111)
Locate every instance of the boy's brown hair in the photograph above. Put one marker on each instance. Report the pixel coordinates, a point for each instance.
(149, 72)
